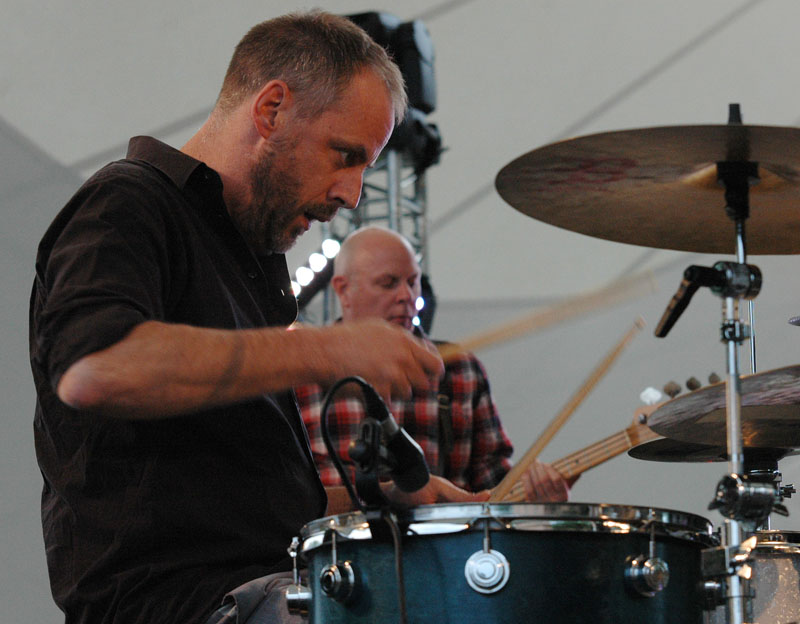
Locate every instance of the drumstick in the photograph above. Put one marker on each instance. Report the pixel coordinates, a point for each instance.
(539, 319)
(516, 471)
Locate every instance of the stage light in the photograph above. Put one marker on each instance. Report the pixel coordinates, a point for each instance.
(296, 288)
(317, 262)
(304, 275)
(420, 303)
(330, 247)
(415, 321)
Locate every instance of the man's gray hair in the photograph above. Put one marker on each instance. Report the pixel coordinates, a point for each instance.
(316, 54)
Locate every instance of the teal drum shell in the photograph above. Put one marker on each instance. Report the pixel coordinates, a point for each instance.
(564, 563)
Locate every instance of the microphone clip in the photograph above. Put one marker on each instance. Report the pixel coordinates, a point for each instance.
(369, 456)
(725, 279)
(382, 449)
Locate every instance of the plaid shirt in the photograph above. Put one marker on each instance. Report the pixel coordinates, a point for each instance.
(479, 456)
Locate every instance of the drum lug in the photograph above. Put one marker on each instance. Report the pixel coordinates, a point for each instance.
(487, 570)
(646, 575)
(338, 581)
(298, 597)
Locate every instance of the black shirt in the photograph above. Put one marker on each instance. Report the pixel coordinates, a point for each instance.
(153, 521)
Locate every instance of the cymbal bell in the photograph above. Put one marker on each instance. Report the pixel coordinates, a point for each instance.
(770, 412)
(657, 187)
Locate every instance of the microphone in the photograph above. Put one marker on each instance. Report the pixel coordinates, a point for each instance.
(795, 320)
(409, 470)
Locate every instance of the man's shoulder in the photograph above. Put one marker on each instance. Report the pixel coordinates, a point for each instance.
(452, 352)
(458, 362)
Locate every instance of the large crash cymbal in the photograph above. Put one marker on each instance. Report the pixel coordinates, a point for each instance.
(770, 412)
(658, 187)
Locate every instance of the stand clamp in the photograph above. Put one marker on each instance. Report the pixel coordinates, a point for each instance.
(725, 279)
(747, 501)
(720, 564)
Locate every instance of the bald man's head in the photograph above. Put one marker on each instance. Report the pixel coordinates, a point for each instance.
(377, 275)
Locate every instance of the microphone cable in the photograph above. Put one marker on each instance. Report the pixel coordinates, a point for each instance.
(397, 539)
(332, 452)
(387, 516)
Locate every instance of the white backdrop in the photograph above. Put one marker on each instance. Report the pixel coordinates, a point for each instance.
(81, 77)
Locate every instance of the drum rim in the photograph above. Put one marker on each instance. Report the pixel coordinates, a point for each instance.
(778, 535)
(567, 517)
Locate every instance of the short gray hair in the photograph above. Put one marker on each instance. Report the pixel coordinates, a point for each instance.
(316, 54)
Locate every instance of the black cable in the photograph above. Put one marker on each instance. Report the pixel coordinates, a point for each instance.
(398, 565)
(332, 452)
(386, 516)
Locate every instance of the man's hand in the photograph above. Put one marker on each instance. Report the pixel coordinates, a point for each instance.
(543, 483)
(388, 357)
(437, 490)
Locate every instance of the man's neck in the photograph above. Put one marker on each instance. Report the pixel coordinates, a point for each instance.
(220, 144)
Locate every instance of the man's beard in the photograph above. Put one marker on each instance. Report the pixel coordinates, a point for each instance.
(274, 204)
(266, 222)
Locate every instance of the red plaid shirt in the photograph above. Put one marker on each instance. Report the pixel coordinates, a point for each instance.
(479, 456)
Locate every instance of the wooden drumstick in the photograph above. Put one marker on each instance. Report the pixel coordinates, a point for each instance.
(508, 482)
(619, 290)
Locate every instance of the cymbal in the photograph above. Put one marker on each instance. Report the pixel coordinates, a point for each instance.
(770, 412)
(657, 187)
(668, 450)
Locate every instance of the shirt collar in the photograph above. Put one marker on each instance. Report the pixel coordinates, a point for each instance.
(173, 163)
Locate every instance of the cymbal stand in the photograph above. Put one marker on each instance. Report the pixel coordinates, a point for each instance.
(745, 504)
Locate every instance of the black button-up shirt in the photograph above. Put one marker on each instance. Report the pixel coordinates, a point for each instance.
(154, 520)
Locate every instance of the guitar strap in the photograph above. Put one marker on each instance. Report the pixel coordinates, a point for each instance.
(445, 422)
(445, 433)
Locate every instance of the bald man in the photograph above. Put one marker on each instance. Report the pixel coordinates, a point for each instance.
(376, 275)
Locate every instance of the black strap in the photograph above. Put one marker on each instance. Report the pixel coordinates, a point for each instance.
(445, 433)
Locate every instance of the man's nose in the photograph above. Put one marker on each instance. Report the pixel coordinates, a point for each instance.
(346, 191)
(406, 293)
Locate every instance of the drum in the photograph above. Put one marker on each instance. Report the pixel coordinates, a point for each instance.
(509, 563)
(775, 583)
(776, 578)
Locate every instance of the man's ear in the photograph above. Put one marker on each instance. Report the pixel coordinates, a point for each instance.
(269, 105)
(339, 285)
